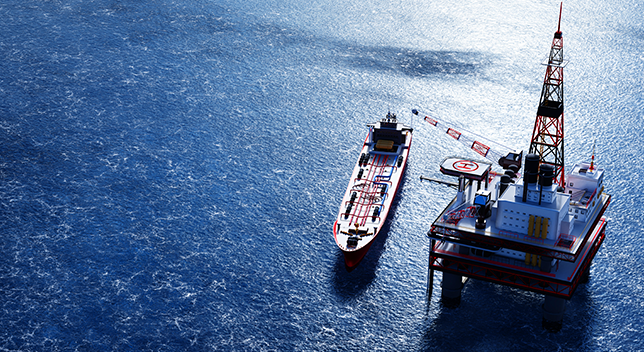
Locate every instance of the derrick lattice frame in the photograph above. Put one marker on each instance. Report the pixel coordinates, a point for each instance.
(548, 133)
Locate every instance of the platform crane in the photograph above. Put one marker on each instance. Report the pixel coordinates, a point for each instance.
(506, 157)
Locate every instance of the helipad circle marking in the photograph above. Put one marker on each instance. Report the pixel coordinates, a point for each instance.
(465, 165)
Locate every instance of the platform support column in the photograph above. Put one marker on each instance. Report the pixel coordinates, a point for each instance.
(585, 276)
(451, 290)
(460, 196)
(453, 285)
(553, 311)
(546, 264)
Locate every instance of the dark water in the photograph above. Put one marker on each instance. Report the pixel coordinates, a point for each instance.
(170, 170)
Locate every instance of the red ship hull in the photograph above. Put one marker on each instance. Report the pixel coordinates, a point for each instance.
(373, 186)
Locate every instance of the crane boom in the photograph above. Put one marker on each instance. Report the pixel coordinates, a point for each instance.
(479, 144)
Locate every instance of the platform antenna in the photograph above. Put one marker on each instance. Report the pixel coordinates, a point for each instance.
(559, 24)
(592, 158)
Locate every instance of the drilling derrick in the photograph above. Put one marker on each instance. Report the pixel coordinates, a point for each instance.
(548, 134)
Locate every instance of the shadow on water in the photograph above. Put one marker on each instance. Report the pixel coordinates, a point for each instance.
(414, 63)
(493, 317)
(349, 284)
(312, 49)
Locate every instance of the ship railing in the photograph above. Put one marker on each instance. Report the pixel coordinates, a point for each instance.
(363, 219)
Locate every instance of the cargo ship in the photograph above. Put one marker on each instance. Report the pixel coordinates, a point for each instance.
(372, 188)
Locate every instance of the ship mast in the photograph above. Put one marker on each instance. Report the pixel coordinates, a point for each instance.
(548, 134)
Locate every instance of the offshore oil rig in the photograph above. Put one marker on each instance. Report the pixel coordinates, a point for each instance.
(538, 230)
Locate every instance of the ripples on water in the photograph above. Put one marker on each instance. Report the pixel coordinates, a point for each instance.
(171, 172)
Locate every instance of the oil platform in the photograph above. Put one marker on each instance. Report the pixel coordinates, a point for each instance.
(537, 230)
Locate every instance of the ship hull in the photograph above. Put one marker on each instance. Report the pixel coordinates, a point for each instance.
(373, 186)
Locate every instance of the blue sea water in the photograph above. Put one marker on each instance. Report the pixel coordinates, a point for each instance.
(170, 170)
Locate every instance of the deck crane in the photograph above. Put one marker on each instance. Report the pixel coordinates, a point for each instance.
(476, 143)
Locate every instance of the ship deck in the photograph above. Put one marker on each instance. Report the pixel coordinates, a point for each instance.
(372, 188)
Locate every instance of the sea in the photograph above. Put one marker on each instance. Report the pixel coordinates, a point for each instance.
(170, 170)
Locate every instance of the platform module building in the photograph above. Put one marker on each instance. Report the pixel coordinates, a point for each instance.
(525, 232)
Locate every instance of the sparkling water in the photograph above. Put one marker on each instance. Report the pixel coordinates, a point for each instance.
(170, 171)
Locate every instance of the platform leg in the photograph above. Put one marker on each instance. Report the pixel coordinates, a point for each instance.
(585, 277)
(553, 310)
(451, 290)
(546, 264)
(430, 273)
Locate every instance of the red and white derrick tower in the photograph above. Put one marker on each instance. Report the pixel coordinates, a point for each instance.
(548, 134)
